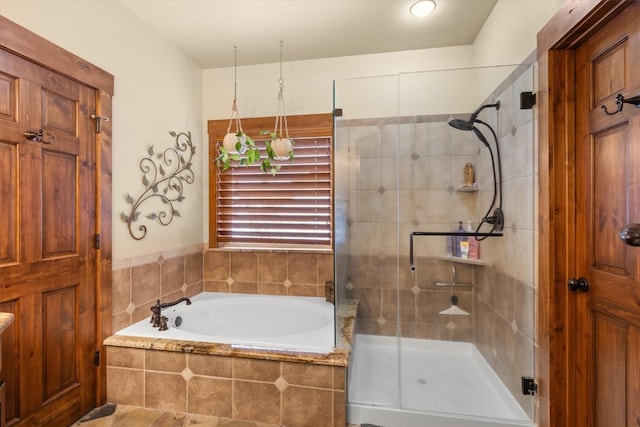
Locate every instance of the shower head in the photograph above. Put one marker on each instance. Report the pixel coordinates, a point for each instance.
(461, 124)
(468, 124)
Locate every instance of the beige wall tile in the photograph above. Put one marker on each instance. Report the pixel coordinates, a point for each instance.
(210, 396)
(125, 357)
(272, 289)
(216, 286)
(166, 361)
(256, 370)
(217, 265)
(307, 375)
(305, 290)
(244, 267)
(165, 391)
(125, 386)
(307, 407)
(524, 309)
(303, 268)
(244, 287)
(272, 267)
(193, 268)
(145, 283)
(339, 408)
(120, 290)
(325, 268)
(339, 378)
(209, 365)
(256, 401)
(172, 275)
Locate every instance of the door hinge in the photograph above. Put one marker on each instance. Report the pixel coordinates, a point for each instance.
(96, 358)
(97, 241)
(529, 386)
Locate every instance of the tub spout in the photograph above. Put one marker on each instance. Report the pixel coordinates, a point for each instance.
(156, 310)
(330, 291)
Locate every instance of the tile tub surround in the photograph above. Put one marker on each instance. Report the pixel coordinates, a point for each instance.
(282, 388)
(267, 272)
(138, 282)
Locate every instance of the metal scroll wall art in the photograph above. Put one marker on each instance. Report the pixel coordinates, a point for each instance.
(164, 175)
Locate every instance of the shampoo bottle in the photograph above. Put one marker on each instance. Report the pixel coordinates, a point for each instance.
(474, 244)
(457, 240)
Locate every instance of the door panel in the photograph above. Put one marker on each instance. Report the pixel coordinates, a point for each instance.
(8, 191)
(47, 258)
(58, 198)
(607, 322)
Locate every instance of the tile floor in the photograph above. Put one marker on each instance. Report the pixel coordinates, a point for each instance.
(132, 416)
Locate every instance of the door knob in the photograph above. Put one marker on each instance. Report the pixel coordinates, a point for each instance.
(580, 284)
(630, 234)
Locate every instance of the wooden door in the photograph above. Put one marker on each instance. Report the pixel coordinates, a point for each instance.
(606, 380)
(47, 253)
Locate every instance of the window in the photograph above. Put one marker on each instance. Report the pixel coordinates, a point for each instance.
(293, 209)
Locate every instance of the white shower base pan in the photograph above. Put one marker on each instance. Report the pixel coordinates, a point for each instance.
(437, 384)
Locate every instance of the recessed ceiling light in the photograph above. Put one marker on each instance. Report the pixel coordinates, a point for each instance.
(422, 8)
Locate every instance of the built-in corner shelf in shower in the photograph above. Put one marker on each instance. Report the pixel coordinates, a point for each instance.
(414, 234)
(462, 260)
(467, 188)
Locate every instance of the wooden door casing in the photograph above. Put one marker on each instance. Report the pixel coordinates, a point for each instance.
(573, 24)
(607, 327)
(55, 384)
(49, 263)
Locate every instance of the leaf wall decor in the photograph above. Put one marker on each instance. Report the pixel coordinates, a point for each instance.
(164, 175)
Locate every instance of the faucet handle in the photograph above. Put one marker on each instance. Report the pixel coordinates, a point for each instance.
(163, 323)
(155, 316)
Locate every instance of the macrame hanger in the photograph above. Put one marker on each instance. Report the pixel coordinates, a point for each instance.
(281, 115)
(235, 116)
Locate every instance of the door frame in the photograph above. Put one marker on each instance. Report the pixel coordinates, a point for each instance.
(22, 42)
(567, 29)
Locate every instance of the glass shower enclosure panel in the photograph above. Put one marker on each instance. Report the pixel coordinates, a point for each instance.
(366, 223)
(399, 169)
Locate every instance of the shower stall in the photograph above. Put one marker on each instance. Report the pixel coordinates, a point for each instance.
(449, 342)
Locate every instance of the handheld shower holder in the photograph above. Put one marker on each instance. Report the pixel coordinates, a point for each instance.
(497, 220)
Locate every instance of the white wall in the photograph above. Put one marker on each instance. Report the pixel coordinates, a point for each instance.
(508, 37)
(309, 84)
(510, 33)
(157, 89)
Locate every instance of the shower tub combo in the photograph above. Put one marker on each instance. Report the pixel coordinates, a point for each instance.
(262, 358)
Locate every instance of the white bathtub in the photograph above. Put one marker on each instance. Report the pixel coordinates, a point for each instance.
(302, 324)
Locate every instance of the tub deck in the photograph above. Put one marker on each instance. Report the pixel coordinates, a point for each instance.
(338, 357)
(267, 386)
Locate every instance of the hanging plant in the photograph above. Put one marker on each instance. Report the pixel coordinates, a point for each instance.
(280, 145)
(238, 147)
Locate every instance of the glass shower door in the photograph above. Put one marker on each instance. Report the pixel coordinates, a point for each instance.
(366, 200)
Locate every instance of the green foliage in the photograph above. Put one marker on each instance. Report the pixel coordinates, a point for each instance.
(251, 155)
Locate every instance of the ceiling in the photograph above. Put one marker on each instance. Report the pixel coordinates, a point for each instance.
(208, 30)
